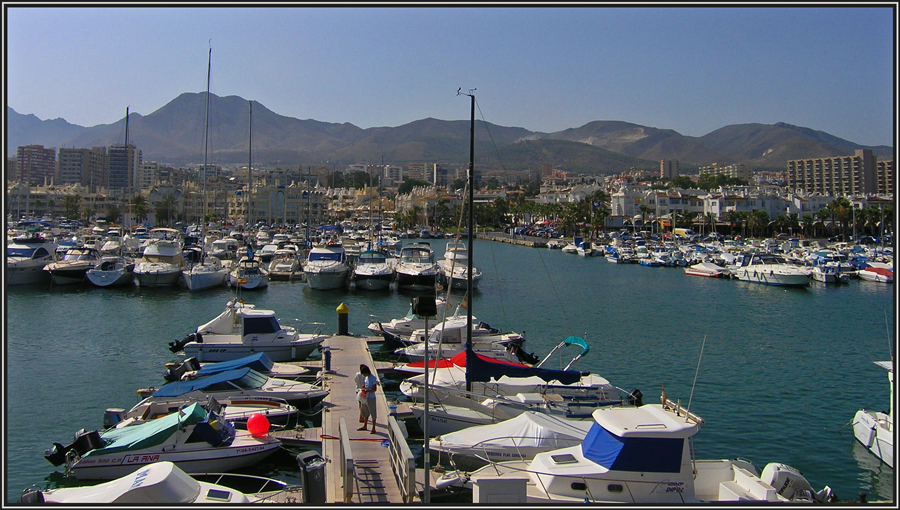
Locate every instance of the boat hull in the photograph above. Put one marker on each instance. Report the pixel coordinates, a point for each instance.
(372, 282)
(26, 275)
(195, 281)
(326, 281)
(114, 278)
(68, 275)
(213, 352)
(772, 278)
(157, 277)
(871, 429)
(416, 281)
(249, 282)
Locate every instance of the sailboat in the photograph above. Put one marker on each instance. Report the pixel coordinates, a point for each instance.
(210, 272)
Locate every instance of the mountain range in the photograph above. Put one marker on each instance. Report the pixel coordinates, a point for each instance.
(174, 135)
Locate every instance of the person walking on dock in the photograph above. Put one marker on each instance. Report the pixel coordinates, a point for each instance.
(366, 384)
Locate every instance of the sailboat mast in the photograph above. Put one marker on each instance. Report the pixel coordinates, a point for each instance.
(128, 167)
(250, 165)
(470, 226)
(206, 138)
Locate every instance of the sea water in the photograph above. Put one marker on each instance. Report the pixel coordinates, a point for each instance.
(777, 373)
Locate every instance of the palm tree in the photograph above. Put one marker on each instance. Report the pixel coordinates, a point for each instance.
(139, 208)
(757, 219)
(808, 224)
(72, 205)
(644, 210)
(841, 208)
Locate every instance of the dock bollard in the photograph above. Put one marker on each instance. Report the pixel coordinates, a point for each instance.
(326, 359)
(343, 313)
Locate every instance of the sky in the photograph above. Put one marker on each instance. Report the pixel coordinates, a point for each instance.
(689, 69)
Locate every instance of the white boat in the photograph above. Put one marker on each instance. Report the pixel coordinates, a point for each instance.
(770, 269)
(242, 330)
(612, 465)
(875, 429)
(584, 249)
(162, 262)
(161, 483)
(327, 266)
(266, 253)
(828, 273)
(455, 267)
(450, 337)
(195, 440)
(26, 257)
(208, 274)
(518, 438)
(225, 249)
(404, 326)
(191, 368)
(372, 271)
(877, 272)
(707, 269)
(417, 269)
(284, 265)
(112, 271)
(248, 274)
(73, 266)
(113, 244)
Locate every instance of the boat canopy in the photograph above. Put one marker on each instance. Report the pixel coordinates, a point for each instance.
(632, 453)
(174, 389)
(259, 362)
(530, 430)
(151, 433)
(480, 369)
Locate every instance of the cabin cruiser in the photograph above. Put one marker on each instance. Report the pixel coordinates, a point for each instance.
(112, 271)
(73, 266)
(404, 326)
(770, 269)
(611, 465)
(327, 266)
(455, 267)
(161, 483)
(207, 274)
(372, 271)
(193, 438)
(874, 429)
(417, 269)
(284, 265)
(449, 338)
(241, 330)
(225, 249)
(162, 262)
(248, 274)
(26, 257)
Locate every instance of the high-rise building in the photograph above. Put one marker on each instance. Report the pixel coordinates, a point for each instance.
(835, 176)
(417, 171)
(35, 164)
(735, 171)
(884, 175)
(668, 168)
(124, 164)
(87, 167)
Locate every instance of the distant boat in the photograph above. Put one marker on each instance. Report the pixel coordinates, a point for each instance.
(707, 269)
(26, 257)
(327, 266)
(372, 271)
(112, 271)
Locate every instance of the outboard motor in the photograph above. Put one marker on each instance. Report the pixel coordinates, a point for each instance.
(83, 443)
(30, 497)
(177, 370)
(792, 485)
(521, 355)
(179, 346)
(634, 398)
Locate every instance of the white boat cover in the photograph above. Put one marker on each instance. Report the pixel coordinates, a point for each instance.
(530, 429)
(158, 483)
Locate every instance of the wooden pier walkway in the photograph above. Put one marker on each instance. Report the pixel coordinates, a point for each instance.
(371, 466)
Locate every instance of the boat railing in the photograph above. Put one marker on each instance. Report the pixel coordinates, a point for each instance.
(403, 463)
(348, 471)
(268, 488)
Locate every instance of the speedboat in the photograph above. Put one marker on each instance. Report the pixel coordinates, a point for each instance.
(241, 330)
(327, 266)
(829, 273)
(194, 439)
(225, 249)
(417, 269)
(208, 274)
(162, 483)
(112, 271)
(770, 269)
(404, 326)
(239, 384)
(162, 262)
(372, 271)
(74, 265)
(874, 429)
(707, 269)
(612, 465)
(191, 368)
(450, 336)
(877, 272)
(455, 267)
(248, 274)
(284, 265)
(26, 257)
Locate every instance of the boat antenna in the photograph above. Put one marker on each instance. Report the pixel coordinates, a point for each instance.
(687, 415)
(889, 337)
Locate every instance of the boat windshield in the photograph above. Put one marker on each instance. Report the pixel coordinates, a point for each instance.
(21, 251)
(76, 254)
(261, 325)
(416, 255)
(328, 256)
(372, 258)
(253, 380)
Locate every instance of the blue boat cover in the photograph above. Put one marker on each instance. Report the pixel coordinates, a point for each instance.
(639, 454)
(259, 362)
(174, 389)
(481, 370)
(151, 433)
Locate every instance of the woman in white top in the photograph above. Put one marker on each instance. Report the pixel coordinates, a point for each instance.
(366, 384)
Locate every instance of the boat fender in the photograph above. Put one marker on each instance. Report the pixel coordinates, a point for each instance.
(30, 497)
(450, 479)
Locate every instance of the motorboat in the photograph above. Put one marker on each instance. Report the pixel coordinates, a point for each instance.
(706, 269)
(194, 439)
(284, 265)
(403, 327)
(241, 330)
(113, 242)
(448, 338)
(584, 249)
(518, 438)
(239, 384)
(191, 368)
(770, 269)
(162, 262)
(372, 271)
(829, 273)
(326, 266)
(611, 465)
(417, 269)
(877, 272)
(73, 266)
(455, 267)
(26, 257)
(225, 248)
(620, 255)
(208, 274)
(112, 271)
(875, 429)
(248, 274)
(162, 483)
(266, 253)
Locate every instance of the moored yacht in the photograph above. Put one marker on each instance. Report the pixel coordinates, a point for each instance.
(417, 269)
(770, 269)
(26, 257)
(455, 267)
(372, 271)
(327, 266)
(112, 271)
(74, 265)
(249, 274)
(162, 262)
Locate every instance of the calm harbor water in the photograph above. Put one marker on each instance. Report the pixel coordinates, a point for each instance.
(781, 375)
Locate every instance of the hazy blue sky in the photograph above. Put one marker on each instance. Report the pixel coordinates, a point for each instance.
(692, 70)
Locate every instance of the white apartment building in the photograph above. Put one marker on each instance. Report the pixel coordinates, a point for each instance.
(734, 171)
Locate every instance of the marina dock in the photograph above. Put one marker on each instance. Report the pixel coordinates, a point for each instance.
(361, 467)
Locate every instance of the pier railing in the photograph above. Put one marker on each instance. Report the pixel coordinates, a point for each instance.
(347, 469)
(403, 463)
